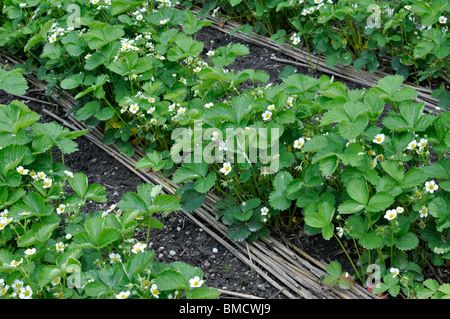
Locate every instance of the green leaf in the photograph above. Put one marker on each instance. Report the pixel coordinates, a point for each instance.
(440, 169)
(73, 44)
(371, 240)
(36, 204)
(203, 185)
(152, 160)
(108, 236)
(380, 201)
(47, 274)
(192, 25)
(204, 293)
(139, 262)
(79, 184)
(41, 144)
(315, 144)
(185, 47)
(350, 207)
(96, 193)
(238, 232)
(351, 129)
(439, 208)
(94, 227)
(277, 197)
(411, 118)
(234, 3)
(95, 289)
(73, 81)
(334, 268)
(422, 48)
(190, 171)
(102, 34)
(171, 280)
(166, 203)
(329, 165)
(11, 156)
(132, 201)
(192, 200)
(394, 170)
(13, 82)
(105, 114)
(87, 111)
(357, 190)
(407, 241)
(413, 177)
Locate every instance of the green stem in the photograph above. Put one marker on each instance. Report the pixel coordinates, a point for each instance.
(351, 261)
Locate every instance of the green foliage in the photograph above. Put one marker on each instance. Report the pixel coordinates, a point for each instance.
(55, 248)
(369, 166)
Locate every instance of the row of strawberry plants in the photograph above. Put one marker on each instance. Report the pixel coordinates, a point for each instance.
(51, 246)
(341, 169)
(409, 38)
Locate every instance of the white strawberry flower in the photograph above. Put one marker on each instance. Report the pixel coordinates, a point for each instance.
(154, 290)
(114, 258)
(226, 169)
(423, 212)
(47, 183)
(60, 209)
(390, 214)
(412, 145)
(431, 187)
(394, 272)
(264, 211)
(215, 135)
(195, 282)
(134, 108)
(30, 251)
(422, 143)
(299, 143)
(123, 295)
(137, 248)
(379, 138)
(266, 115)
(22, 170)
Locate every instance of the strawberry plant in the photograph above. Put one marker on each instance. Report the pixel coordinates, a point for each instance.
(53, 248)
(412, 35)
(369, 166)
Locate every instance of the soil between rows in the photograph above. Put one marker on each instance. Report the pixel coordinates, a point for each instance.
(181, 239)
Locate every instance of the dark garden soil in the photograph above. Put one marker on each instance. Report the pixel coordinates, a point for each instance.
(181, 239)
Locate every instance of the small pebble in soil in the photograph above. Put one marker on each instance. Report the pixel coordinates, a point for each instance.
(214, 250)
(172, 253)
